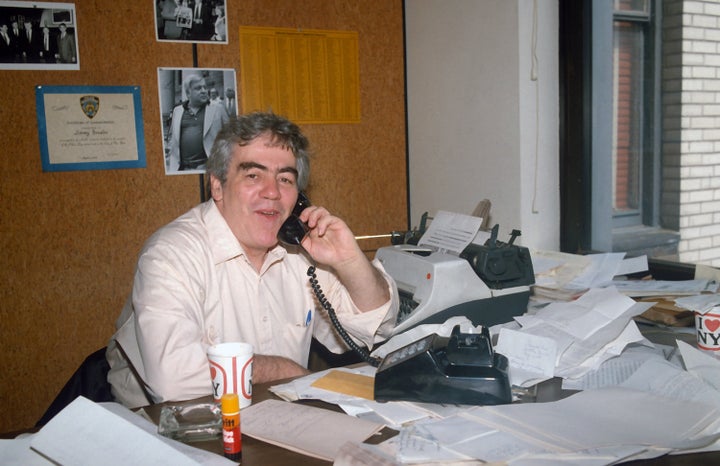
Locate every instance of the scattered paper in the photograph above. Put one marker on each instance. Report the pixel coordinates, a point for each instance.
(583, 427)
(86, 433)
(304, 429)
(615, 370)
(638, 288)
(702, 303)
(585, 332)
(530, 357)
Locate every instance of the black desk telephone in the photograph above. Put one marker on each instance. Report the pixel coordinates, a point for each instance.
(461, 369)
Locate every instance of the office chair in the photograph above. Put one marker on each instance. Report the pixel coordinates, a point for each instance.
(89, 380)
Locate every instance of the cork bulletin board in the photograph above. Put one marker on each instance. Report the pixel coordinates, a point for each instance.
(70, 239)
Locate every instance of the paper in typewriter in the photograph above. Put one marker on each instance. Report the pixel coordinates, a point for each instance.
(451, 232)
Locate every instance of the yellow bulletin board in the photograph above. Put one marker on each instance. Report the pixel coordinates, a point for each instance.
(310, 76)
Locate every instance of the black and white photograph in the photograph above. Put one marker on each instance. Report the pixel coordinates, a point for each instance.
(191, 21)
(38, 36)
(194, 104)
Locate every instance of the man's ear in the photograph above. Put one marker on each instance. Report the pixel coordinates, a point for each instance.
(215, 188)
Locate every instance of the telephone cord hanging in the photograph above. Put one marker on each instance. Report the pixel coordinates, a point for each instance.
(336, 323)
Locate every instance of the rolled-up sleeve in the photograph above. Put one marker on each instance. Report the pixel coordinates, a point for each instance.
(366, 328)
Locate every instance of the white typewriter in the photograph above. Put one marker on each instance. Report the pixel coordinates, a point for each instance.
(489, 284)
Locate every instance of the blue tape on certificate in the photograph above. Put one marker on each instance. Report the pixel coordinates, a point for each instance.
(90, 127)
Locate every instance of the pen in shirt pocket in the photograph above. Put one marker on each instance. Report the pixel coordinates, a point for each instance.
(308, 318)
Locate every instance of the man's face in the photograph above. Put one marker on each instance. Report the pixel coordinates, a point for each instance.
(259, 194)
(198, 93)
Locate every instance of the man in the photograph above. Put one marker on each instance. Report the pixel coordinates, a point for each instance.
(194, 126)
(31, 44)
(217, 274)
(66, 46)
(6, 48)
(215, 96)
(48, 46)
(15, 41)
(202, 27)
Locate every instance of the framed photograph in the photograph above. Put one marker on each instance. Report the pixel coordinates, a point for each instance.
(90, 127)
(38, 36)
(191, 21)
(194, 104)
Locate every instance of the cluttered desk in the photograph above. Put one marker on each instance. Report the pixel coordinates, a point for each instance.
(478, 372)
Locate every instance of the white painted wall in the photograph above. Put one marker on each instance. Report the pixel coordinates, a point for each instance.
(473, 113)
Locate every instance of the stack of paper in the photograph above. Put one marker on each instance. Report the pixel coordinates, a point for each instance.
(569, 339)
(562, 276)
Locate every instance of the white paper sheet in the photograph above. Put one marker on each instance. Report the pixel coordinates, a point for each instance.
(450, 232)
(86, 433)
(529, 356)
(17, 452)
(312, 431)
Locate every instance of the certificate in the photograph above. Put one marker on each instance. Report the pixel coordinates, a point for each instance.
(90, 127)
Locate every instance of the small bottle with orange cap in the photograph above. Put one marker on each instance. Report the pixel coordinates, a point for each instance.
(232, 440)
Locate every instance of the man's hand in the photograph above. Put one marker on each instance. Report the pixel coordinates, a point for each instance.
(330, 242)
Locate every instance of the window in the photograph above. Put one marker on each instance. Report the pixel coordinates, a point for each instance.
(611, 135)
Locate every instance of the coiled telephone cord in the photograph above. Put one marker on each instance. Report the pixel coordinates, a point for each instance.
(364, 354)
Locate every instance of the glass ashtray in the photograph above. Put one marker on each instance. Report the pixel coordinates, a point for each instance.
(191, 423)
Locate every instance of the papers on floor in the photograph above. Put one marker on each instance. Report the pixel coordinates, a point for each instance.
(570, 339)
(109, 434)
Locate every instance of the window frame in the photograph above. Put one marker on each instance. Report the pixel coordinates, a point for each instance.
(586, 132)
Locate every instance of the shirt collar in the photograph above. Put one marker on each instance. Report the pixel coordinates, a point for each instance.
(223, 243)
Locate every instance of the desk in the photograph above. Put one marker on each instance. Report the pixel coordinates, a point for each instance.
(258, 453)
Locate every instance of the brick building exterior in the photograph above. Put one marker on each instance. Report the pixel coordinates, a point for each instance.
(691, 128)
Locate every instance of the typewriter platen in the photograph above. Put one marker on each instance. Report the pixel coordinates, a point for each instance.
(487, 283)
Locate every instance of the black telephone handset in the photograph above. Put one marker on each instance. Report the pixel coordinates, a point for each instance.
(292, 232)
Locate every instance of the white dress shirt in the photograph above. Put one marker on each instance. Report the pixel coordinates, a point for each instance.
(194, 287)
